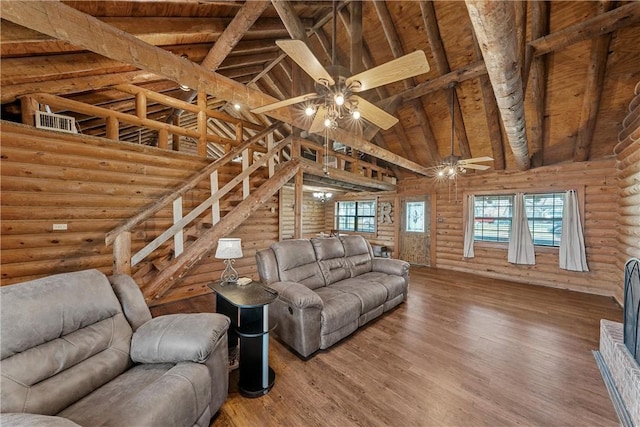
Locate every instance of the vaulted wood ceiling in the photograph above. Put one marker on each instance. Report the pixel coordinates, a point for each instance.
(575, 63)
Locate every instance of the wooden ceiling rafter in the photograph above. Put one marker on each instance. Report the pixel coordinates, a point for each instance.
(593, 91)
(442, 65)
(431, 155)
(603, 23)
(493, 24)
(232, 34)
(371, 133)
(538, 92)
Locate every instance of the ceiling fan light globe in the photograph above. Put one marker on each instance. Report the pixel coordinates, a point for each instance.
(339, 99)
(309, 111)
(355, 114)
(327, 122)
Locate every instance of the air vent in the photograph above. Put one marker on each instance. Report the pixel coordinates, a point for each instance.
(55, 122)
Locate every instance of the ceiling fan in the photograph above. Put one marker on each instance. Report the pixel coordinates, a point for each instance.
(335, 88)
(453, 165)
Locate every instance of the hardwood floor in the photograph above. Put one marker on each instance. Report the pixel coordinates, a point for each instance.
(462, 351)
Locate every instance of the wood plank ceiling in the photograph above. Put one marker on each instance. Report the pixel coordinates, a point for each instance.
(562, 73)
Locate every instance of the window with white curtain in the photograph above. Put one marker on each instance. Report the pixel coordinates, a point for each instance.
(493, 214)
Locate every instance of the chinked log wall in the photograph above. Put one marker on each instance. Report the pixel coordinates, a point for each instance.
(628, 156)
(600, 222)
(92, 185)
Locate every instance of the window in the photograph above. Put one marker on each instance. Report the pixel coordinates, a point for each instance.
(493, 218)
(356, 216)
(544, 214)
(415, 217)
(493, 215)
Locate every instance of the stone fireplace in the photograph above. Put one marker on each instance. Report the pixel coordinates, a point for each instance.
(619, 355)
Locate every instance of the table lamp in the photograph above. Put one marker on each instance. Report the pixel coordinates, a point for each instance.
(229, 249)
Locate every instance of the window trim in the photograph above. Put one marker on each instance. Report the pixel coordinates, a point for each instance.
(580, 190)
(374, 216)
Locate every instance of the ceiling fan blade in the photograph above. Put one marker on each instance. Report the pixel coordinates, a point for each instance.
(300, 53)
(473, 166)
(317, 125)
(404, 67)
(475, 160)
(285, 102)
(374, 114)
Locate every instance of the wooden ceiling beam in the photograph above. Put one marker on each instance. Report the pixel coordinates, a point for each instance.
(76, 84)
(593, 92)
(601, 24)
(467, 72)
(159, 31)
(232, 34)
(61, 21)
(539, 71)
(493, 24)
(442, 65)
(355, 63)
(431, 154)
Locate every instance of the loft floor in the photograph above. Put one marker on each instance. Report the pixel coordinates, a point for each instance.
(462, 351)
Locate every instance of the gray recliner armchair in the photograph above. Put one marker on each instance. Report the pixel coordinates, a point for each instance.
(82, 349)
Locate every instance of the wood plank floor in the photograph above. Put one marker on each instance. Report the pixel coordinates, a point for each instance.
(462, 351)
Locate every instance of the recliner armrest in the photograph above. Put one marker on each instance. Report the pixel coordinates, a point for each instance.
(178, 338)
(391, 266)
(297, 295)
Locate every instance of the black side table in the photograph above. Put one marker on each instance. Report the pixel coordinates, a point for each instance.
(248, 308)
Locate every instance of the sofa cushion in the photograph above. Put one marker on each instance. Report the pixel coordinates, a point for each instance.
(67, 336)
(330, 256)
(340, 309)
(297, 263)
(370, 294)
(358, 254)
(395, 285)
(147, 395)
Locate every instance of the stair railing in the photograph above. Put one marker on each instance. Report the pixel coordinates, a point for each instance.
(120, 236)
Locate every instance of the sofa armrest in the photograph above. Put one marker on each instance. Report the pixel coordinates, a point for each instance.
(178, 337)
(297, 295)
(396, 267)
(26, 419)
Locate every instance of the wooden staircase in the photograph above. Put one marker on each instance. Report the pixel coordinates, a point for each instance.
(172, 254)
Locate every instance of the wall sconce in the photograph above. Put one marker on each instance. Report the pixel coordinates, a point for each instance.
(322, 196)
(229, 249)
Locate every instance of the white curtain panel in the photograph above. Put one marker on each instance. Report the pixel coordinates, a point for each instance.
(572, 254)
(468, 227)
(521, 250)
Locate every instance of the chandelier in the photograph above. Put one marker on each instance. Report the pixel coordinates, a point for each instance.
(322, 196)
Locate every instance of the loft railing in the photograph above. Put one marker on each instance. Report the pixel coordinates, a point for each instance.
(120, 237)
(350, 163)
(113, 118)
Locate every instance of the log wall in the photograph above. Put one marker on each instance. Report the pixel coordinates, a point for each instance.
(598, 181)
(628, 156)
(313, 214)
(92, 185)
(386, 233)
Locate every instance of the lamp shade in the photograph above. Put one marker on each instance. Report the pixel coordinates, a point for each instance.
(229, 248)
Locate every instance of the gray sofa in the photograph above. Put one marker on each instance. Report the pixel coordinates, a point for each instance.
(82, 349)
(328, 287)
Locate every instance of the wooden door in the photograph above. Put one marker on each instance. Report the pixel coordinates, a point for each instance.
(415, 230)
